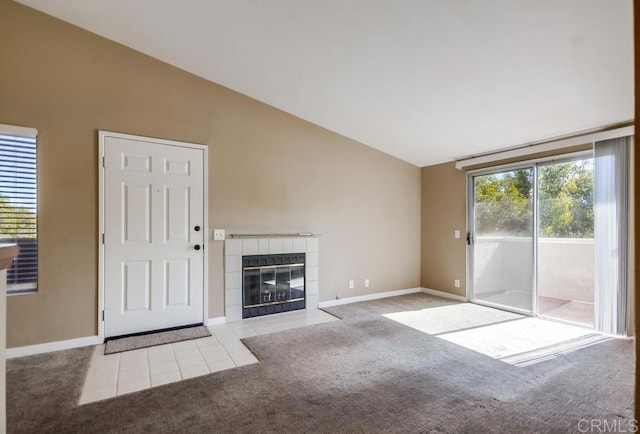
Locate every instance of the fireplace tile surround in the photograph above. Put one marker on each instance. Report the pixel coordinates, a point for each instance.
(235, 248)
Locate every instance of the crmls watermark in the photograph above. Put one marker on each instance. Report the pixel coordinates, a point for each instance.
(608, 425)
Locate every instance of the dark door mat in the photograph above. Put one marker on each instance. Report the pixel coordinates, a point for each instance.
(129, 343)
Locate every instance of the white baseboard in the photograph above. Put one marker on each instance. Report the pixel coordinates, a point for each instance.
(219, 320)
(368, 297)
(444, 294)
(49, 347)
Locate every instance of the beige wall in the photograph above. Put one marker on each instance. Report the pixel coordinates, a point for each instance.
(443, 257)
(294, 176)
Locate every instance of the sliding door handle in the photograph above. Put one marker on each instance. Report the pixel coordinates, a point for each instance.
(468, 238)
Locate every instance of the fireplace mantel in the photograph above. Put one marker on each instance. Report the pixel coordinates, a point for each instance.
(292, 235)
(237, 247)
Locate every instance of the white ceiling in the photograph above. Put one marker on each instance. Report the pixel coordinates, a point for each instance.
(424, 80)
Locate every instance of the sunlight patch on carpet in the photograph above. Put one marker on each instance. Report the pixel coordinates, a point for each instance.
(526, 336)
(451, 318)
(547, 353)
(511, 338)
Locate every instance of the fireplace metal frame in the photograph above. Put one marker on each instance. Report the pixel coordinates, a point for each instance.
(263, 262)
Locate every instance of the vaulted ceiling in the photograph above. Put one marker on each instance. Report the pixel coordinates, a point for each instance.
(427, 81)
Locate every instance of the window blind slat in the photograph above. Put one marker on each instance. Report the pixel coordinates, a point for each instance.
(22, 203)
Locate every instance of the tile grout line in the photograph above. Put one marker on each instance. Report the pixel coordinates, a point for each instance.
(146, 352)
(264, 325)
(173, 351)
(117, 374)
(203, 357)
(223, 349)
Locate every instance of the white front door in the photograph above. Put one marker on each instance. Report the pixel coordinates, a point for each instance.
(154, 235)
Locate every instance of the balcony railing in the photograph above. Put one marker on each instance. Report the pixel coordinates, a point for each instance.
(565, 266)
(23, 274)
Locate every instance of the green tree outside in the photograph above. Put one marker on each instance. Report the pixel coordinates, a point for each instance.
(15, 222)
(504, 202)
(566, 200)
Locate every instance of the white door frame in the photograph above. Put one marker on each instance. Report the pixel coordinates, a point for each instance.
(102, 135)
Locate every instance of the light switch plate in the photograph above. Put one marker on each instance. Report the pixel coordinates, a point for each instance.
(218, 235)
(456, 234)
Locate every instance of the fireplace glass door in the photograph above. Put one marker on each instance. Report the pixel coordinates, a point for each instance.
(272, 284)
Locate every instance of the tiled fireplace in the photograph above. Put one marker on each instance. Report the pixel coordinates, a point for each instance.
(261, 256)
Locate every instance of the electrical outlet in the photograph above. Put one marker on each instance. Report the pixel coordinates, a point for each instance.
(456, 283)
(351, 284)
(366, 283)
(218, 234)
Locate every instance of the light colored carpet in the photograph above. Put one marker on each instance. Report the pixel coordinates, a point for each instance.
(364, 374)
(151, 340)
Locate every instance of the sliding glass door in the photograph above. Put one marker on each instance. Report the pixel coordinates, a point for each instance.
(503, 235)
(565, 241)
(531, 236)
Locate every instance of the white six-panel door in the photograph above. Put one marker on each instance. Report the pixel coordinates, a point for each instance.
(154, 235)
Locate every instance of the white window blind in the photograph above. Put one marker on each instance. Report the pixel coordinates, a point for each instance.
(18, 208)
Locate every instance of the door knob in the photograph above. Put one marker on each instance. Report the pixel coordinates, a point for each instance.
(197, 247)
(197, 229)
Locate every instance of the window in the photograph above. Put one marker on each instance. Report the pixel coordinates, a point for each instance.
(18, 204)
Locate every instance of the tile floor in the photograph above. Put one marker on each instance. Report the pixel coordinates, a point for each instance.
(131, 371)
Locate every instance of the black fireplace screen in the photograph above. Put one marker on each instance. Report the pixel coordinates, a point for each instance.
(272, 284)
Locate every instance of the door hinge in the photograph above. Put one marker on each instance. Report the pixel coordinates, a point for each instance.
(103, 315)
(102, 238)
(103, 162)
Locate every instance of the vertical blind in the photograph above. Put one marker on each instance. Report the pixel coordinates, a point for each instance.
(18, 208)
(611, 209)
